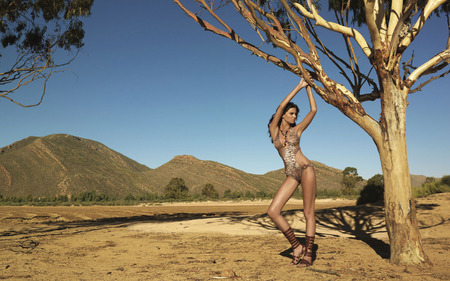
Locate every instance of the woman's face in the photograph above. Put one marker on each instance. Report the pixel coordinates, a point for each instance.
(290, 116)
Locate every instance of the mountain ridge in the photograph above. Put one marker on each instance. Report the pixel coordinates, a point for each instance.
(62, 164)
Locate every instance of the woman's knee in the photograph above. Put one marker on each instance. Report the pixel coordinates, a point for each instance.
(273, 212)
(309, 214)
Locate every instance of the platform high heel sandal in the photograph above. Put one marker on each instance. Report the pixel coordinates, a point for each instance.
(309, 252)
(290, 236)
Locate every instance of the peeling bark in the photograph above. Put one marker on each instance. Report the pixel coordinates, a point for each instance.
(404, 237)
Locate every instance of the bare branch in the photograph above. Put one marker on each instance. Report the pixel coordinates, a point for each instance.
(380, 19)
(407, 65)
(370, 97)
(302, 29)
(419, 88)
(369, 6)
(429, 8)
(235, 37)
(277, 37)
(430, 66)
(396, 12)
(28, 69)
(332, 92)
(337, 28)
(396, 36)
(209, 9)
(358, 78)
(448, 25)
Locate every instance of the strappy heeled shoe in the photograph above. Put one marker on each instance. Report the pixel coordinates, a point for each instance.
(297, 259)
(308, 253)
(290, 236)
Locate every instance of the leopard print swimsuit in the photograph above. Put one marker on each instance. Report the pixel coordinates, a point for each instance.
(288, 153)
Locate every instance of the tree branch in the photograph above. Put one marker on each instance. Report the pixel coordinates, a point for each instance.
(28, 69)
(337, 28)
(419, 88)
(430, 66)
(235, 37)
(380, 20)
(370, 97)
(406, 14)
(303, 31)
(429, 8)
(369, 7)
(332, 92)
(396, 12)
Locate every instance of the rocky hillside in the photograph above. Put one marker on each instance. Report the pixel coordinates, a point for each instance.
(67, 165)
(64, 164)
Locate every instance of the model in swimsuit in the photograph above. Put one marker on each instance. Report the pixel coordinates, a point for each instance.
(285, 136)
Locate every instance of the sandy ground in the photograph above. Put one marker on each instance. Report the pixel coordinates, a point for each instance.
(211, 241)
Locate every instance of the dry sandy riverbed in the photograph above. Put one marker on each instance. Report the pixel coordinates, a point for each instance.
(210, 241)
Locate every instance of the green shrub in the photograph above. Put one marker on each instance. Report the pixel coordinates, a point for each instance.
(129, 197)
(430, 188)
(262, 195)
(149, 197)
(373, 191)
(249, 195)
(446, 180)
(233, 194)
(329, 193)
(227, 193)
(176, 189)
(209, 191)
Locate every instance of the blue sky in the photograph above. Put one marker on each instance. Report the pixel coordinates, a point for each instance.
(151, 84)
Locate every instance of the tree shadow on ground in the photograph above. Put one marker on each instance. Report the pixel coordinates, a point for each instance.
(103, 223)
(357, 222)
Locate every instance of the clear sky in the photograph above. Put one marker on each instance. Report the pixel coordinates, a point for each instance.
(152, 84)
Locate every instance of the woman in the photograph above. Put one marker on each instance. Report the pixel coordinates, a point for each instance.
(285, 136)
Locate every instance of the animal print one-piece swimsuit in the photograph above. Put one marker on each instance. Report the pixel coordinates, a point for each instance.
(288, 154)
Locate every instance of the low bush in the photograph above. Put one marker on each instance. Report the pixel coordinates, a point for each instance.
(432, 188)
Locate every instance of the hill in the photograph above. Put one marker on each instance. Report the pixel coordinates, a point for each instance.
(196, 173)
(417, 180)
(326, 177)
(64, 164)
(67, 165)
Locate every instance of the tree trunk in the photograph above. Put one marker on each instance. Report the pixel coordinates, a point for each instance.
(404, 237)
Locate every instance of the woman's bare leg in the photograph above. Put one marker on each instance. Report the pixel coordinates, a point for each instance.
(309, 199)
(283, 194)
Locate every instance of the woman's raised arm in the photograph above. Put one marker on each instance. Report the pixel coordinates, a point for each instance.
(312, 112)
(279, 113)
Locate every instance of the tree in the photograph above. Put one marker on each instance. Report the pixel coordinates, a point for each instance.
(209, 191)
(446, 180)
(373, 191)
(294, 29)
(176, 189)
(349, 180)
(227, 193)
(33, 31)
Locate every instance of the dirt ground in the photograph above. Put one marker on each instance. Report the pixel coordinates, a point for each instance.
(210, 241)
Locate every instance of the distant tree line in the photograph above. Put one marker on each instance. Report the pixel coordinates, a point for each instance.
(84, 198)
(177, 190)
(373, 191)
